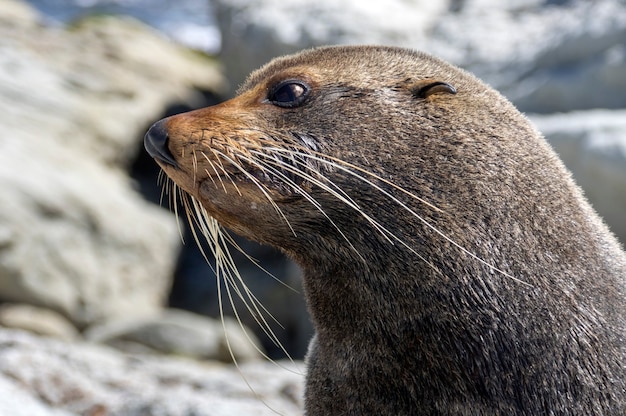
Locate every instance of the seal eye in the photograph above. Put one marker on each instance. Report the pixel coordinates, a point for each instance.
(289, 94)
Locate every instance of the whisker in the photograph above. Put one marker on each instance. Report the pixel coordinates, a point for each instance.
(200, 221)
(218, 261)
(308, 151)
(387, 234)
(226, 269)
(219, 177)
(265, 166)
(345, 167)
(337, 194)
(174, 203)
(231, 241)
(223, 170)
(194, 162)
(233, 279)
(263, 188)
(163, 182)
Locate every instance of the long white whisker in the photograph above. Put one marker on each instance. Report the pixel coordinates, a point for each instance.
(260, 186)
(218, 256)
(231, 241)
(310, 152)
(266, 166)
(218, 252)
(387, 234)
(334, 190)
(174, 203)
(224, 171)
(345, 169)
(226, 268)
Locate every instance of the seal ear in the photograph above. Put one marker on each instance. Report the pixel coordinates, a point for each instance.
(426, 87)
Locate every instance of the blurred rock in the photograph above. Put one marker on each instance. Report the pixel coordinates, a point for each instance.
(593, 146)
(238, 343)
(535, 52)
(180, 333)
(97, 85)
(17, 13)
(45, 377)
(37, 320)
(75, 236)
(253, 31)
(15, 400)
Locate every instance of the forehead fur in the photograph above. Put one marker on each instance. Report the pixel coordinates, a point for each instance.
(360, 65)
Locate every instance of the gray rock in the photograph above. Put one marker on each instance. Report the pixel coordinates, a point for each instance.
(75, 236)
(37, 320)
(237, 342)
(182, 333)
(78, 239)
(17, 401)
(253, 32)
(50, 377)
(535, 51)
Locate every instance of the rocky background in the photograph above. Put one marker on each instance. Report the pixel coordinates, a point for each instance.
(93, 275)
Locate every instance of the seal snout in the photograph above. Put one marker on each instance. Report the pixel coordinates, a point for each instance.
(155, 141)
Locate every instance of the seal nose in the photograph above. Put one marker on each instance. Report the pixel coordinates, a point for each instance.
(155, 142)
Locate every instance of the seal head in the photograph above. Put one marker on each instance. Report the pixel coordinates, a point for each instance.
(451, 264)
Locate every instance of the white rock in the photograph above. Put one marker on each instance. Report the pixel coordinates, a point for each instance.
(545, 57)
(18, 13)
(38, 320)
(90, 379)
(75, 236)
(16, 401)
(182, 333)
(107, 78)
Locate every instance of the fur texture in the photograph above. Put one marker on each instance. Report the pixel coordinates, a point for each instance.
(489, 286)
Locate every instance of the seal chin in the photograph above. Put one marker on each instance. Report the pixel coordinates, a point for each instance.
(156, 143)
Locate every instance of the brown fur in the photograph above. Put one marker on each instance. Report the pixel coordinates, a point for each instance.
(507, 297)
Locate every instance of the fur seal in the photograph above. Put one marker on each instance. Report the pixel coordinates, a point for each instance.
(451, 265)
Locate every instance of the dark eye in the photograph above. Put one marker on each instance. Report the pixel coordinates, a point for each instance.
(289, 94)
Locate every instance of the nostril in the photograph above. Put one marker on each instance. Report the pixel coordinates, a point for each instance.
(155, 141)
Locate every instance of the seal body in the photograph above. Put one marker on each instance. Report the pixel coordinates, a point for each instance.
(451, 264)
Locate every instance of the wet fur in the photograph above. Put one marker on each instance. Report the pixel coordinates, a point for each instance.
(451, 264)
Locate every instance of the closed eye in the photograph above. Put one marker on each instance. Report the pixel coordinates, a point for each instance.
(289, 94)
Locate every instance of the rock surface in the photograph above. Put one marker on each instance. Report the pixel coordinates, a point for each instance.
(532, 50)
(44, 377)
(40, 321)
(180, 333)
(75, 236)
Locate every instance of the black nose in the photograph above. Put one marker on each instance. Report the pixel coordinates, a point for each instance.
(155, 142)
